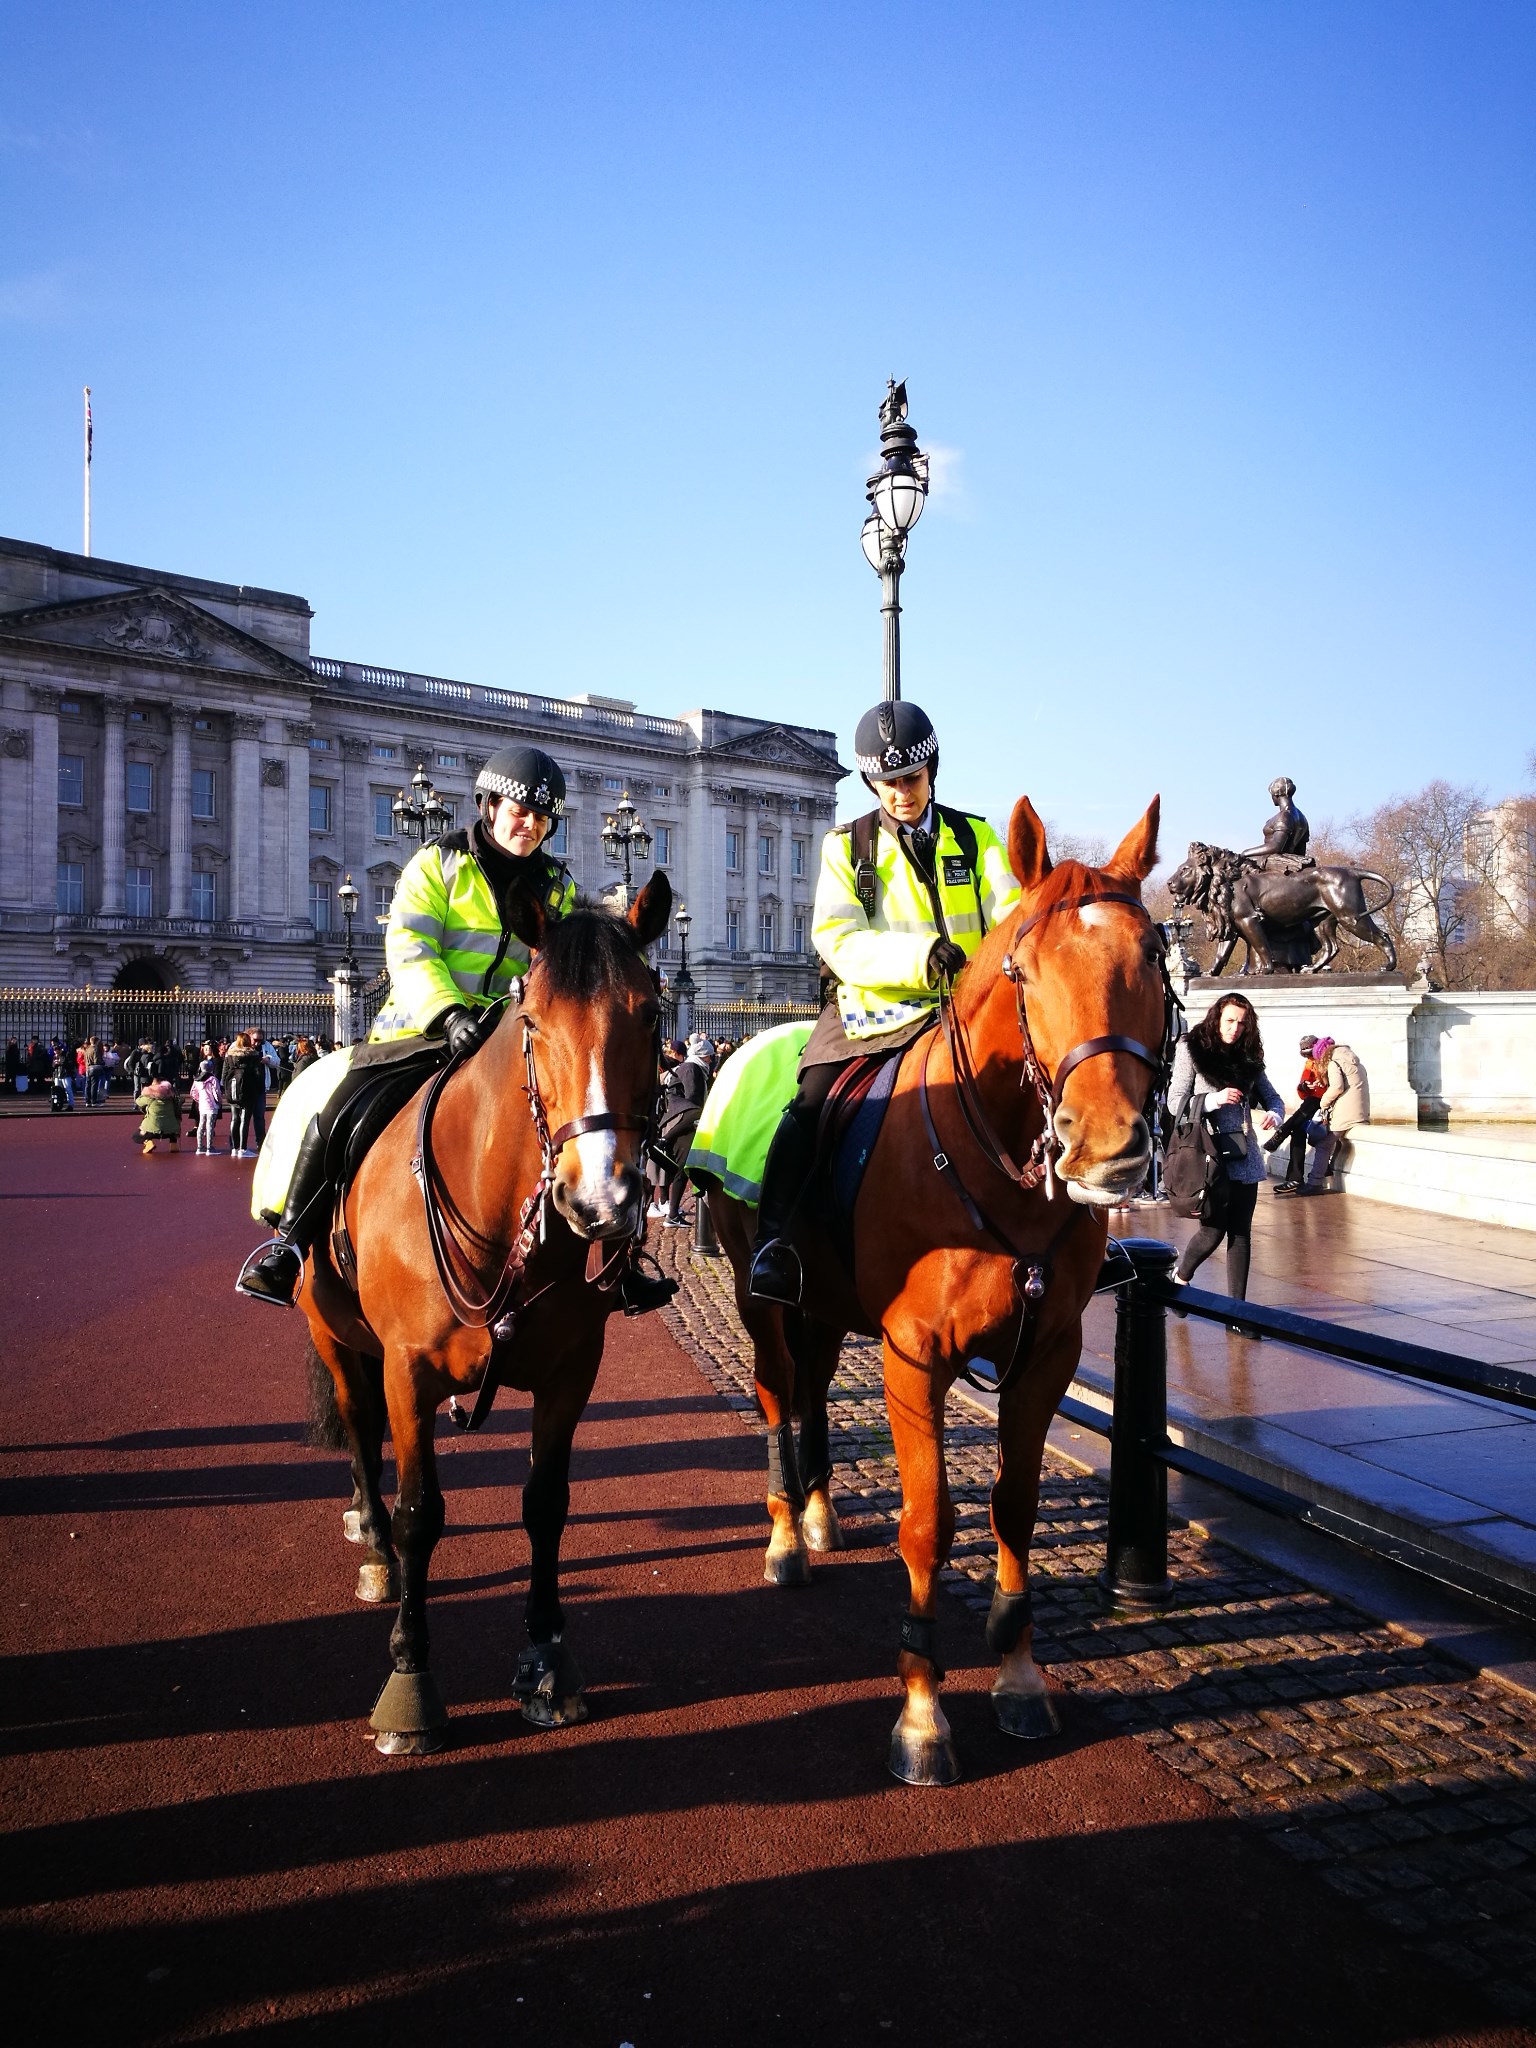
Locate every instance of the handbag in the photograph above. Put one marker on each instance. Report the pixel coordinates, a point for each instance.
(1194, 1167)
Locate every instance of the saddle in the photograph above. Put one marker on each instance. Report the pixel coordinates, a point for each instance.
(846, 1134)
(382, 1081)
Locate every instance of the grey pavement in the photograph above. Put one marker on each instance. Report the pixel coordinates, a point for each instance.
(1453, 1472)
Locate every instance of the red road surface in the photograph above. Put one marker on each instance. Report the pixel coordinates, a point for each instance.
(200, 1840)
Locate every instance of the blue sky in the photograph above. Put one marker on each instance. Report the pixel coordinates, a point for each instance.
(543, 344)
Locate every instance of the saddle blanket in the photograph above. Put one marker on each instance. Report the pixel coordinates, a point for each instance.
(305, 1096)
(742, 1109)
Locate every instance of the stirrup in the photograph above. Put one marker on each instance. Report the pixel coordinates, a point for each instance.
(776, 1274)
(640, 1291)
(257, 1284)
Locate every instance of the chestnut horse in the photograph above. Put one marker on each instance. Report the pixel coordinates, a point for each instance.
(1054, 1039)
(527, 1159)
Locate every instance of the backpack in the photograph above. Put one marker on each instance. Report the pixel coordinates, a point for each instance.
(863, 835)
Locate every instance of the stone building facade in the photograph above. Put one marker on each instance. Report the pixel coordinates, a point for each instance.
(183, 788)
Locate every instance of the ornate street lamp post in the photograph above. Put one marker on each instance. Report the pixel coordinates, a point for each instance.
(422, 815)
(625, 838)
(347, 902)
(897, 493)
(682, 981)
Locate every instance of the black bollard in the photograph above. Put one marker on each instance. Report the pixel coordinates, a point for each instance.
(1135, 1574)
(705, 1242)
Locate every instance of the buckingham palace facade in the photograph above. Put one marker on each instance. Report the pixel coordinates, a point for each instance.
(183, 787)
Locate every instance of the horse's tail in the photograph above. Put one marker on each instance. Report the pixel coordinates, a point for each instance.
(326, 1431)
(1370, 875)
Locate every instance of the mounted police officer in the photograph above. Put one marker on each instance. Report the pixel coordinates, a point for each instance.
(904, 897)
(452, 958)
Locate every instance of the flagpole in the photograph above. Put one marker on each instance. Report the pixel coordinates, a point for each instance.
(87, 469)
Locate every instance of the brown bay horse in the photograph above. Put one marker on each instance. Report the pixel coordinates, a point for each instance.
(534, 1147)
(1056, 1036)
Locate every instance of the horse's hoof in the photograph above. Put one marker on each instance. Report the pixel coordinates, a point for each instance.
(820, 1527)
(408, 1716)
(377, 1583)
(787, 1568)
(420, 1742)
(1030, 1715)
(542, 1712)
(923, 1760)
(352, 1525)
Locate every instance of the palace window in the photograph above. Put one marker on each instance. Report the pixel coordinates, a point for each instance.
(141, 786)
(71, 896)
(69, 708)
(663, 846)
(613, 782)
(765, 931)
(765, 846)
(139, 892)
(383, 752)
(733, 849)
(319, 746)
(383, 816)
(320, 906)
(383, 896)
(319, 807)
(449, 760)
(798, 849)
(204, 790)
(659, 790)
(733, 931)
(202, 725)
(558, 844)
(799, 932)
(794, 803)
(71, 778)
(205, 896)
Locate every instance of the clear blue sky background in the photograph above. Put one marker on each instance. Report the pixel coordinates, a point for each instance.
(543, 344)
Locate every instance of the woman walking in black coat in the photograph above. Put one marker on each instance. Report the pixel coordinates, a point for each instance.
(245, 1090)
(1222, 1060)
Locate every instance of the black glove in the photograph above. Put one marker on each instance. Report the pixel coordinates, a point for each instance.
(463, 1029)
(945, 958)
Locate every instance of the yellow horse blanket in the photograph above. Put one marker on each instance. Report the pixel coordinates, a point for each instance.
(741, 1111)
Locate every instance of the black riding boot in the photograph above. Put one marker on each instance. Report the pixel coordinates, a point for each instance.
(776, 1274)
(274, 1274)
(641, 1291)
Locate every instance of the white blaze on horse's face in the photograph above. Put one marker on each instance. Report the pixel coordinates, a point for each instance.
(601, 1198)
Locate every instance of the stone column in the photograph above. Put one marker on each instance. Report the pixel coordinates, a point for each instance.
(45, 795)
(114, 805)
(182, 716)
(300, 732)
(354, 828)
(245, 814)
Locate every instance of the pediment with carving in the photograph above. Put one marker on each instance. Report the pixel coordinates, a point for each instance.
(776, 745)
(157, 627)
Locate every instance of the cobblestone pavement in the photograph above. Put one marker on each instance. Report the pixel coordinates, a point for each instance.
(1408, 1783)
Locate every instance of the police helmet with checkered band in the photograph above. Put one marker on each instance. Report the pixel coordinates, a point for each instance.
(894, 739)
(525, 774)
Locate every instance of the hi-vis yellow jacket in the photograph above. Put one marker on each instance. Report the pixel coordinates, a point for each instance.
(881, 962)
(445, 944)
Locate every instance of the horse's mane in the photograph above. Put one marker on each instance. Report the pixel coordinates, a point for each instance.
(1066, 881)
(590, 953)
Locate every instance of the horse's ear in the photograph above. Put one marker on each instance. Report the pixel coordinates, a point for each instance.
(1027, 852)
(528, 918)
(1136, 855)
(651, 910)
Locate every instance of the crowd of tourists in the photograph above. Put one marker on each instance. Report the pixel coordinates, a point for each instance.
(168, 1083)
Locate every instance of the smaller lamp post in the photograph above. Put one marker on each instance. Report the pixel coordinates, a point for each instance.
(625, 838)
(422, 815)
(347, 900)
(897, 493)
(682, 981)
(345, 980)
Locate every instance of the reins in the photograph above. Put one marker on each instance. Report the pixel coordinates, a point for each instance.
(1032, 1269)
(499, 1308)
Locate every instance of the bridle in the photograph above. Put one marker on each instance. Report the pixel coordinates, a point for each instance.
(1039, 1166)
(499, 1308)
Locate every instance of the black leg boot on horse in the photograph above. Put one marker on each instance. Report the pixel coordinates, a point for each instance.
(274, 1273)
